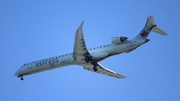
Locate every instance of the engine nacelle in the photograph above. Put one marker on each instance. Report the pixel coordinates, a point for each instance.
(118, 40)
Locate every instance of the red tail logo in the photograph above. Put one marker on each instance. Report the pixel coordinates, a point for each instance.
(144, 34)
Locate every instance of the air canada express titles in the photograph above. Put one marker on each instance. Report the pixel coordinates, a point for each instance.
(50, 61)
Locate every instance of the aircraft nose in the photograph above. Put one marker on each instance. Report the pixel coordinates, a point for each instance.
(16, 73)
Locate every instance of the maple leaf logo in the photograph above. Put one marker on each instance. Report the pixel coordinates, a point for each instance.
(144, 34)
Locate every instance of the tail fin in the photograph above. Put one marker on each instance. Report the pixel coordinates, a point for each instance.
(150, 22)
(150, 25)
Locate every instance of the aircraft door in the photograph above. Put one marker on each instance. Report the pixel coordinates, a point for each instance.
(29, 65)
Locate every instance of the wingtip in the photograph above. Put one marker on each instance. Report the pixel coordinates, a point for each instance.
(120, 76)
(124, 77)
(81, 25)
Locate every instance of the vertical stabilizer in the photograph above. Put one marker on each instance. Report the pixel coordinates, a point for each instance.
(150, 22)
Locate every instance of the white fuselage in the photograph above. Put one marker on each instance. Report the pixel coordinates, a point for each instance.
(97, 53)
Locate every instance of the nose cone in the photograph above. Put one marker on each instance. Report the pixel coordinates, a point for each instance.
(18, 72)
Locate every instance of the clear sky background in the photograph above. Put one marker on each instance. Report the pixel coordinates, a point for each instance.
(37, 29)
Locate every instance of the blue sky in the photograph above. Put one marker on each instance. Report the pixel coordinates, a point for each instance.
(33, 30)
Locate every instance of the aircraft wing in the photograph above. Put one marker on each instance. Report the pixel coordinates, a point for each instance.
(103, 70)
(80, 52)
(80, 49)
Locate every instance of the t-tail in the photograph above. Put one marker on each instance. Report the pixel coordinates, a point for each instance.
(150, 25)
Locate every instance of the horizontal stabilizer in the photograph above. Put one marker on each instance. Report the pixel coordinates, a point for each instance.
(159, 30)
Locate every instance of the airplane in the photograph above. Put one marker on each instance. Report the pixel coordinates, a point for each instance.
(89, 58)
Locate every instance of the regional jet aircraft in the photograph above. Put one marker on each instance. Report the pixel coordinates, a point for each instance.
(90, 58)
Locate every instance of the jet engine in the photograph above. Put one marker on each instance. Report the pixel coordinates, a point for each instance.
(118, 40)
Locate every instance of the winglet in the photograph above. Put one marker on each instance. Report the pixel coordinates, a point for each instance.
(80, 27)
